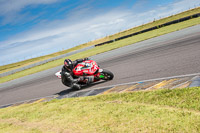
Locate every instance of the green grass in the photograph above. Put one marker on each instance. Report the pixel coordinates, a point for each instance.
(164, 110)
(9, 67)
(104, 48)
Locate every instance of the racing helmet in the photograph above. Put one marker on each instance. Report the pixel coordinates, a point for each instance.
(68, 64)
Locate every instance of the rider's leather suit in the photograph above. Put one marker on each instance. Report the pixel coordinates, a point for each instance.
(70, 80)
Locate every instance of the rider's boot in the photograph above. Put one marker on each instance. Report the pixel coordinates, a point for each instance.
(89, 79)
(76, 86)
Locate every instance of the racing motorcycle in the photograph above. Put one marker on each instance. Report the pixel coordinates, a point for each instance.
(90, 68)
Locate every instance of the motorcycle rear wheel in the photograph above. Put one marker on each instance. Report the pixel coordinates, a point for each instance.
(108, 75)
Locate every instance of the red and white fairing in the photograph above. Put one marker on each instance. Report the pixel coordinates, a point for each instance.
(88, 67)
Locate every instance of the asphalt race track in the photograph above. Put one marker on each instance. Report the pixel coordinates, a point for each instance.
(173, 54)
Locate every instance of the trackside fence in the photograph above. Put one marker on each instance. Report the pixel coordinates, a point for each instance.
(150, 29)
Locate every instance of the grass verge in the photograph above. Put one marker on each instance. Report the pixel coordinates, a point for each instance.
(104, 48)
(9, 67)
(164, 110)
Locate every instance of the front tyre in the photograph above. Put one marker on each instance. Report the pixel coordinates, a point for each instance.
(107, 75)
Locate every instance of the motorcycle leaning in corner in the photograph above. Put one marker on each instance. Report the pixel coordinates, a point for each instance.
(89, 68)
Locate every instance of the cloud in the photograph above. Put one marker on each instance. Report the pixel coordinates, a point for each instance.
(81, 26)
(11, 6)
(70, 28)
(10, 9)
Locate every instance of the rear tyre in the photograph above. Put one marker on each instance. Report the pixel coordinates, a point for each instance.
(108, 75)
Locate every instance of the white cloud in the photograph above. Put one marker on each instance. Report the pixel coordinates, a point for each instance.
(10, 9)
(56, 35)
(11, 6)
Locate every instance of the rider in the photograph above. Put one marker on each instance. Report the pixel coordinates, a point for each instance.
(68, 77)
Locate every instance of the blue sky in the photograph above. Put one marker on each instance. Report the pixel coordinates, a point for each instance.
(32, 28)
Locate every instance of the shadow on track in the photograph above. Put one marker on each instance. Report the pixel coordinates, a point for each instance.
(70, 90)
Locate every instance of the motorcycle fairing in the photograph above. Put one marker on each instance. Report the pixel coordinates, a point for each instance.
(88, 67)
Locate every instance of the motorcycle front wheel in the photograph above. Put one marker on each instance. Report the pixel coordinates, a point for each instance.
(107, 75)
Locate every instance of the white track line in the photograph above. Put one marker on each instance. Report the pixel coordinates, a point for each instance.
(164, 78)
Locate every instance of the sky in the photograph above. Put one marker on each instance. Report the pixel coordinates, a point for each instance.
(33, 28)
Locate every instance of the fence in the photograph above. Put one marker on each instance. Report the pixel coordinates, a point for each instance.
(150, 29)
